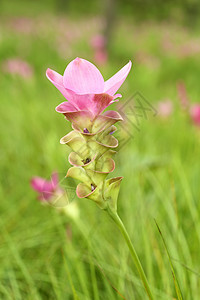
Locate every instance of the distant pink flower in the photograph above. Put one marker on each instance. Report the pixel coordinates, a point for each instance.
(84, 87)
(195, 114)
(46, 189)
(165, 108)
(98, 41)
(183, 97)
(193, 110)
(101, 57)
(167, 44)
(17, 66)
(23, 25)
(190, 48)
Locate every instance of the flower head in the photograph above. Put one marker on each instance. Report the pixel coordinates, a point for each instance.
(46, 189)
(91, 139)
(84, 87)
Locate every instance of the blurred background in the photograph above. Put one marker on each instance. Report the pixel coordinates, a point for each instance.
(81, 255)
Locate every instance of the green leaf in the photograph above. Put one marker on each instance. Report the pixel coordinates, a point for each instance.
(111, 192)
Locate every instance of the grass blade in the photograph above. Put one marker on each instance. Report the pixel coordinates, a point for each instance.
(176, 284)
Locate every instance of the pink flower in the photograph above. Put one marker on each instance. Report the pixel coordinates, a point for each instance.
(17, 66)
(183, 97)
(23, 25)
(165, 108)
(98, 42)
(84, 87)
(193, 110)
(46, 189)
(195, 114)
(101, 57)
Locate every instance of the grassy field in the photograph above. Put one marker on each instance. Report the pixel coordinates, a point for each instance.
(45, 255)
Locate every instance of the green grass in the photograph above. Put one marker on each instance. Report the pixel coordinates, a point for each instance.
(45, 255)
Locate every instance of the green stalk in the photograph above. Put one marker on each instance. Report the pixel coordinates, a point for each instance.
(136, 260)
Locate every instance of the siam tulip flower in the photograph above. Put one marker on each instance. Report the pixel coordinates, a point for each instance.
(50, 192)
(195, 114)
(183, 97)
(84, 87)
(193, 110)
(92, 141)
(98, 44)
(17, 66)
(23, 25)
(46, 189)
(165, 108)
(101, 57)
(98, 41)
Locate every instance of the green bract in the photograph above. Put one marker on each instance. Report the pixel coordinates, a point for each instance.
(93, 145)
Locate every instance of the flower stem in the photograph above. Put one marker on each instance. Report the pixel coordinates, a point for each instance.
(136, 260)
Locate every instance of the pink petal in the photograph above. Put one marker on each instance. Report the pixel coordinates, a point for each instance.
(78, 102)
(195, 114)
(100, 102)
(82, 77)
(114, 83)
(54, 180)
(117, 96)
(44, 187)
(65, 107)
(38, 183)
(82, 102)
(57, 80)
(41, 185)
(92, 103)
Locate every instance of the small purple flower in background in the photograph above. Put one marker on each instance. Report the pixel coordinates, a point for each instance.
(165, 108)
(195, 114)
(46, 189)
(17, 66)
